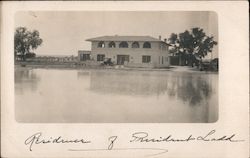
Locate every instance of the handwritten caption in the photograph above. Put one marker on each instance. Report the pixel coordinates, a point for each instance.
(137, 137)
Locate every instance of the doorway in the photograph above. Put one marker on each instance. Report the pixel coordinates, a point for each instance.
(121, 59)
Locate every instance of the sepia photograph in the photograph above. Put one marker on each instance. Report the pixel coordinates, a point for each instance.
(125, 79)
(116, 67)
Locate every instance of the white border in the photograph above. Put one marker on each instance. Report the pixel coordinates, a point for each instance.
(233, 88)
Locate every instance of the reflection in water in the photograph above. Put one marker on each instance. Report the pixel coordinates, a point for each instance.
(190, 88)
(129, 83)
(46, 95)
(82, 74)
(25, 79)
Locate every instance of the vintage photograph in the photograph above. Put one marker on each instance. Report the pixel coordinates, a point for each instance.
(116, 66)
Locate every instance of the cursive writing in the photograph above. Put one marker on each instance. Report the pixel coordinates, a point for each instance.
(141, 137)
(210, 136)
(112, 140)
(37, 139)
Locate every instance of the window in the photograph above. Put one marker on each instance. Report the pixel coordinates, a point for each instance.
(112, 44)
(123, 45)
(100, 57)
(146, 59)
(84, 57)
(146, 45)
(135, 45)
(101, 44)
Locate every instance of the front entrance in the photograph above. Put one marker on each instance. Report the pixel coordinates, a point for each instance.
(121, 59)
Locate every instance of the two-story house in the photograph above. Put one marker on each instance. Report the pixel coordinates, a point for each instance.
(131, 51)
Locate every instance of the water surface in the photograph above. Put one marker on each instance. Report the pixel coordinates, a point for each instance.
(115, 96)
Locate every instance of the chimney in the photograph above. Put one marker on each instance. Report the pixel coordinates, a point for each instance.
(159, 37)
(165, 40)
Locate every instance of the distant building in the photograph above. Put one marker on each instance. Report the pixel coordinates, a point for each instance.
(132, 51)
(83, 55)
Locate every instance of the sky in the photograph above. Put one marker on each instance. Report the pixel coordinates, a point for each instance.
(64, 33)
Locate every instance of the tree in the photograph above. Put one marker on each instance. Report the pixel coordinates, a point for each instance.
(25, 41)
(188, 44)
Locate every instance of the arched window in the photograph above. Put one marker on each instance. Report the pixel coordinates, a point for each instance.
(123, 45)
(146, 45)
(112, 44)
(135, 45)
(101, 44)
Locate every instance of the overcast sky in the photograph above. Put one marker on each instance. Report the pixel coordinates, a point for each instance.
(64, 33)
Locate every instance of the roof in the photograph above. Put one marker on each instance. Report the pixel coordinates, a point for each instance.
(125, 38)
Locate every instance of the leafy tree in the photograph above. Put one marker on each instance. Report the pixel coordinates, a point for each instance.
(25, 41)
(189, 44)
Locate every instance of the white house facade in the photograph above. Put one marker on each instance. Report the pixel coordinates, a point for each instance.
(131, 51)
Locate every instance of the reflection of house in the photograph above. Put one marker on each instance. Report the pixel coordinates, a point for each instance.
(194, 90)
(133, 51)
(128, 82)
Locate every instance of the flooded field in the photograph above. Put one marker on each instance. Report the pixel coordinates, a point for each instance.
(115, 96)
